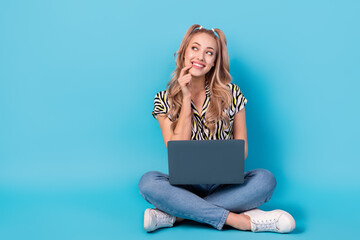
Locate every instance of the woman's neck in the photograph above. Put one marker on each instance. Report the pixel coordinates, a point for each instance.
(197, 84)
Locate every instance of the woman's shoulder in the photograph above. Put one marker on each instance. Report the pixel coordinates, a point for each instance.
(238, 99)
(161, 95)
(161, 105)
(234, 88)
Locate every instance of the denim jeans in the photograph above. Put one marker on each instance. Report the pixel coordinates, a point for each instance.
(207, 203)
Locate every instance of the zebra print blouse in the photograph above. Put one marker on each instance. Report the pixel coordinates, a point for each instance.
(199, 128)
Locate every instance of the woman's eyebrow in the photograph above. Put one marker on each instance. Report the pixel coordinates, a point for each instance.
(200, 45)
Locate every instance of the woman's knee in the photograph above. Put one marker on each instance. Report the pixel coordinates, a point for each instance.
(148, 181)
(266, 179)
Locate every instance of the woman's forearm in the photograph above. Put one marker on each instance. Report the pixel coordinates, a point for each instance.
(184, 124)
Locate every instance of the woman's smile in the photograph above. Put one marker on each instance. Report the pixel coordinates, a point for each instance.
(198, 65)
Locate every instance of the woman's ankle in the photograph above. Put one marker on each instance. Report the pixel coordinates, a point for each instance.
(179, 219)
(238, 221)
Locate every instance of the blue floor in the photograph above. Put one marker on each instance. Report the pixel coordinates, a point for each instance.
(117, 213)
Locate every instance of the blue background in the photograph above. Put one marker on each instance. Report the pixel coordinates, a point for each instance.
(77, 82)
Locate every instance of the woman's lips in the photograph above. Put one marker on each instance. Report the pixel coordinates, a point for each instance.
(198, 65)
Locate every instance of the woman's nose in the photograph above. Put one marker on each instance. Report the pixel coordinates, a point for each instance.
(200, 56)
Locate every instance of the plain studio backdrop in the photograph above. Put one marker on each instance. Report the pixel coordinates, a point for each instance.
(77, 83)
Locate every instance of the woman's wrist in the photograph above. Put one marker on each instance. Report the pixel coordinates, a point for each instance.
(186, 99)
(186, 107)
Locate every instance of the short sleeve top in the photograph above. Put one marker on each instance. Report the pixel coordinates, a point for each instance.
(199, 129)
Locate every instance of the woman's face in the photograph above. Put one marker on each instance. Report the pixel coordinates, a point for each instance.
(201, 54)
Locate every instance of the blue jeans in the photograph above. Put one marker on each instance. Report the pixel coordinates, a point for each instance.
(207, 203)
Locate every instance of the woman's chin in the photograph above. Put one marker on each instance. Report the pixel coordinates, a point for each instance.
(196, 74)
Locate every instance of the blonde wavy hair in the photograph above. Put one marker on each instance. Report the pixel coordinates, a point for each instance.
(217, 79)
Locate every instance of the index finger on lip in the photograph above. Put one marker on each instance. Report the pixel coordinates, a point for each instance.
(182, 72)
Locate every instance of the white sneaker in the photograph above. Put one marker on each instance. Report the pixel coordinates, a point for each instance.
(155, 218)
(272, 221)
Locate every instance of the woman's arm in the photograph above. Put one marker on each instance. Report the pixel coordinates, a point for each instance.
(183, 127)
(240, 128)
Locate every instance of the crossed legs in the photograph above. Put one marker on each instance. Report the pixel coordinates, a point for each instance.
(212, 204)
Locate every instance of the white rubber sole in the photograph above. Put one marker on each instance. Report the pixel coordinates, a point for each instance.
(147, 220)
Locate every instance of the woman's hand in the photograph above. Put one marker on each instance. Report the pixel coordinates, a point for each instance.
(185, 82)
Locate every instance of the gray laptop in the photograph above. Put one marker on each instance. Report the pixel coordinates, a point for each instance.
(206, 162)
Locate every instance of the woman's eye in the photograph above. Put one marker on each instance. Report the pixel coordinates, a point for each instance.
(208, 52)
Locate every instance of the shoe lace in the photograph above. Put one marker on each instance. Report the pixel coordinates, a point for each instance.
(267, 224)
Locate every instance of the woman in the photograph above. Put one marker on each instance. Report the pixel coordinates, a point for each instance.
(200, 103)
